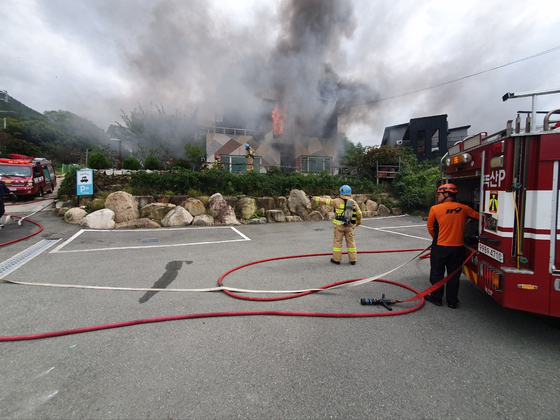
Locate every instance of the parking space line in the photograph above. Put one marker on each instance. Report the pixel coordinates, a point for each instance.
(397, 233)
(59, 249)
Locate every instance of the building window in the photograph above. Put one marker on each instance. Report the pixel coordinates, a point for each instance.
(237, 164)
(315, 164)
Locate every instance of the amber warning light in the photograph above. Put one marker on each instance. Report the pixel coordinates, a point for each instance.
(459, 159)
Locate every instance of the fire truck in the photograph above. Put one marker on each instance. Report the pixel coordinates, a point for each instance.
(27, 176)
(512, 178)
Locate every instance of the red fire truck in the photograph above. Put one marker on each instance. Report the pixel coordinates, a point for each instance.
(512, 178)
(27, 176)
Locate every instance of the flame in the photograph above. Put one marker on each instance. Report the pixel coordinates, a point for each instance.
(279, 115)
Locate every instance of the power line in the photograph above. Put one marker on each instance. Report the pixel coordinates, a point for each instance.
(460, 78)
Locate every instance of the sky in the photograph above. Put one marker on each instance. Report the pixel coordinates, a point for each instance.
(378, 62)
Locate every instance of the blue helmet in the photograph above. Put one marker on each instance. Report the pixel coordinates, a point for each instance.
(247, 145)
(345, 190)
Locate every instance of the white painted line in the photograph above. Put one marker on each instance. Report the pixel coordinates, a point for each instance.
(240, 234)
(58, 249)
(396, 233)
(54, 251)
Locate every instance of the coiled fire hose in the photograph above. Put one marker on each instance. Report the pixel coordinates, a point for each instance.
(419, 296)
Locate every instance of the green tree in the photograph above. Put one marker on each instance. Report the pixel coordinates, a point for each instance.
(351, 153)
(22, 147)
(152, 163)
(131, 163)
(98, 161)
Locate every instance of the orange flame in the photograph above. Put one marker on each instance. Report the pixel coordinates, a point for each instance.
(279, 115)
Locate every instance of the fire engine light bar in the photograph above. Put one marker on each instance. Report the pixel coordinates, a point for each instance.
(455, 149)
(473, 141)
(459, 159)
(527, 286)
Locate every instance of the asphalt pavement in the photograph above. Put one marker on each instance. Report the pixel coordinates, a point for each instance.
(479, 361)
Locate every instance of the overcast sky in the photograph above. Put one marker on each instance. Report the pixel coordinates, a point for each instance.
(98, 57)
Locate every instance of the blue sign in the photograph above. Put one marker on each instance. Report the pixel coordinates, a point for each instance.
(84, 182)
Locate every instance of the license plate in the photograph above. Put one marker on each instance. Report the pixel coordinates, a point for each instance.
(491, 252)
(13, 189)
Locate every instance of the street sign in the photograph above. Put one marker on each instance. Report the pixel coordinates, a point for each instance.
(84, 182)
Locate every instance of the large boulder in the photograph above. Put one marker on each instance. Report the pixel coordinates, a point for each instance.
(177, 217)
(299, 203)
(194, 206)
(282, 204)
(266, 203)
(156, 211)
(143, 200)
(216, 204)
(203, 220)
(100, 219)
(314, 216)
(227, 217)
(246, 207)
(123, 205)
(75, 215)
(383, 211)
(144, 223)
(275, 216)
(371, 205)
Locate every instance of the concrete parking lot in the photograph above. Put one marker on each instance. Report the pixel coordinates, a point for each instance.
(479, 361)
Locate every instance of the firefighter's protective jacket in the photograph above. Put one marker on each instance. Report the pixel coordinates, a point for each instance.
(446, 222)
(338, 204)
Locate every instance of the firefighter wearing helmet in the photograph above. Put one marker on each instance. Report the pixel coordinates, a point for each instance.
(446, 225)
(218, 162)
(249, 154)
(348, 215)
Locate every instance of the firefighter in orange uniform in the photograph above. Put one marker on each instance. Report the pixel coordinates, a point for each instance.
(348, 215)
(446, 225)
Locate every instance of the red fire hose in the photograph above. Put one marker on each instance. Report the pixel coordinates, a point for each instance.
(24, 237)
(419, 296)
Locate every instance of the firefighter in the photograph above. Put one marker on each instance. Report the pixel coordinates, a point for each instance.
(348, 215)
(249, 154)
(218, 162)
(446, 225)
(3, 191)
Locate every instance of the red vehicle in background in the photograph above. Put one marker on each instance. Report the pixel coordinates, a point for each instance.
(26, 176)
(512, 178)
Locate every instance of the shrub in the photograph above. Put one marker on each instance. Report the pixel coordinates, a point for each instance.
(131, 163)
(98, 161)
(152, 163)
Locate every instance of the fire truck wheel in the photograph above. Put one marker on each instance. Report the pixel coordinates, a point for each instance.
(40, 192)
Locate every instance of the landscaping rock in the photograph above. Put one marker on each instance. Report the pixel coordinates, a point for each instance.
(156, 211)
(123, 205)
(383, 211)
(100, 219)
(216, 204)
(299, 203)
(203, 220)
(275, 216)
(194, 206)
(75, 215)
(245, 208)
(227, 217)
(177, 217)
(144, 223)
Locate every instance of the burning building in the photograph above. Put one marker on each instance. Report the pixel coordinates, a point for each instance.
(282, 134)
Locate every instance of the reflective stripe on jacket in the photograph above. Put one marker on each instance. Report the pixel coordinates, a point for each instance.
(338, 205)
